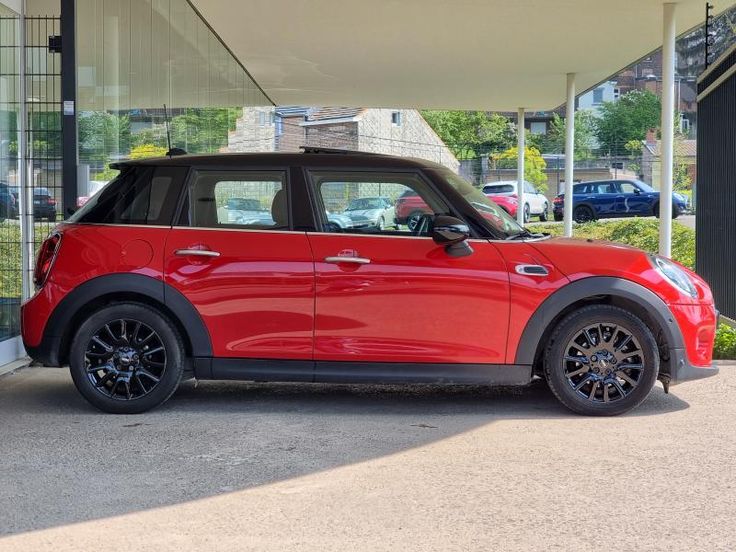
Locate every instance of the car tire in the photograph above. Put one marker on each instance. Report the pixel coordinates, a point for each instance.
(675, 211)
(583, 213)
(140, 362)
(558, 218)
(543, 215)
(527, 214)
(605, 338)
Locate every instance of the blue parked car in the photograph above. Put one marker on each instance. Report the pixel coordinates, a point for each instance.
(615, 198)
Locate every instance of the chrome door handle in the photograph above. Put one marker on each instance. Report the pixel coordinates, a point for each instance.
(196, 253)
(354, 260)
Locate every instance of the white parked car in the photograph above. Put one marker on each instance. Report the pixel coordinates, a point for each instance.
(371, 211)
(536, 203)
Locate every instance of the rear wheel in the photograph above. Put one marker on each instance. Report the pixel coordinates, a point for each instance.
(527, 214)
(126, 358)
(543, 215)
(601, 361)
(583, 213)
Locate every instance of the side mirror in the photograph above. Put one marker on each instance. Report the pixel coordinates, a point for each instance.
(452, 233)
(637, 191)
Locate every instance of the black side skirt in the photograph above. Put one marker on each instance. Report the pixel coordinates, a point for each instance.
(247, 369)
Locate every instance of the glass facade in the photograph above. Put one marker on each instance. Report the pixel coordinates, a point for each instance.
(10, 241)
(134, 57)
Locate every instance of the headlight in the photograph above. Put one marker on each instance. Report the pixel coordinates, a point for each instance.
(675, 276)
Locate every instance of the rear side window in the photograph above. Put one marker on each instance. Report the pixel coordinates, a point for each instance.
(139, 195)
(254, 200)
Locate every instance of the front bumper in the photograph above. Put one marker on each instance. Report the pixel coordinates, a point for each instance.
(681, 370)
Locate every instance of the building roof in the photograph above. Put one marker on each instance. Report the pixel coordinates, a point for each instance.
(683, 148)
(327, 113)
(439, 54)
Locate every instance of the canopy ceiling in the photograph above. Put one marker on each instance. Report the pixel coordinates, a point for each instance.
(459, 54)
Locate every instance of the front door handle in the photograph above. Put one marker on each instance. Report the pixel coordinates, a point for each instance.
(354, 260)
(196, 253)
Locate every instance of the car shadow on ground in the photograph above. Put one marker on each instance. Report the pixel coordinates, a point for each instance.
(64, 462)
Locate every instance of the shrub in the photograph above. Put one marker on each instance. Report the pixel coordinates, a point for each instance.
(725, 345)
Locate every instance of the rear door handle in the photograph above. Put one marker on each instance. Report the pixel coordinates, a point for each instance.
(354, 260)
(196, 253)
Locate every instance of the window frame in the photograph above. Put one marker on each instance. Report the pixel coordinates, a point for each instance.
(319, 212)
(182, 215)
(178, 183)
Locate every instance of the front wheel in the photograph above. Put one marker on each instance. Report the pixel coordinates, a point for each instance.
(601, 361)
(126, 358)
(527, 214)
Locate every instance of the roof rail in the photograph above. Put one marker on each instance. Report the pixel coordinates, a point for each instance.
(317, 149)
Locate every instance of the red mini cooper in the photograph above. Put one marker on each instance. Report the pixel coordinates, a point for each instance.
(160, 276)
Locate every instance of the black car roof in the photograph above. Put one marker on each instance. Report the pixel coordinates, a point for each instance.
(308, 159)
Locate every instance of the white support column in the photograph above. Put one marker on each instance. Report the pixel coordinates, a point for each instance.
(25, 172)
(521, 146)
(668, 129)
(569, 152)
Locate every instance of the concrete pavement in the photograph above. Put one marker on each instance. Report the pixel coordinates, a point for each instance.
(233, 466)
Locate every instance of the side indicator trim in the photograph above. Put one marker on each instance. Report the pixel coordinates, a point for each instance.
(531, 270)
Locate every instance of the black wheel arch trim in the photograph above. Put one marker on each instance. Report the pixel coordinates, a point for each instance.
(61, 318)
(586, 288)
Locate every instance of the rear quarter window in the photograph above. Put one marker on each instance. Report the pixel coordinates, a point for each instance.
(139, 195)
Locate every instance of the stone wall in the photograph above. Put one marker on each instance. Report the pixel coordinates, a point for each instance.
(412, 138)
(254, 131)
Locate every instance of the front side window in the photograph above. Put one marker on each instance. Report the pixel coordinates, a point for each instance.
(628, 188)
(502, 222)
(237, 199)
(376, 202)
(138, 195)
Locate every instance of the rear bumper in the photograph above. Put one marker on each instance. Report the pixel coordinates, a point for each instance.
(46, 352)
(681, 370)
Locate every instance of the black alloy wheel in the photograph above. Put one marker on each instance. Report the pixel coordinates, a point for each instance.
(601, 360)
(126, 358)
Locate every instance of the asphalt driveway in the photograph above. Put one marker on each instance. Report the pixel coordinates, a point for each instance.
(234, 466)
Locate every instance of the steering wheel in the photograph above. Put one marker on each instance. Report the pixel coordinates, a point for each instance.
(419, 224)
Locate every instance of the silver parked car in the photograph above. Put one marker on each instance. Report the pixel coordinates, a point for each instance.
(371, 211)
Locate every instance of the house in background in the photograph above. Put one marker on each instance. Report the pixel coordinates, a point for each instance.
(651, 161)
(402, 132)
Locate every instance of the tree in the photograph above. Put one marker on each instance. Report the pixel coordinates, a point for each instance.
(471, 134)
(534, 165)
(145, 151)
(102, 135)
(627, 119)
(554, 140)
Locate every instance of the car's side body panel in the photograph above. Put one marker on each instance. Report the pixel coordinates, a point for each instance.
(256, 297)
(406, 304)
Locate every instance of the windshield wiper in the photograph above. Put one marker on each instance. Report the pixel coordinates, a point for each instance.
(525, 234)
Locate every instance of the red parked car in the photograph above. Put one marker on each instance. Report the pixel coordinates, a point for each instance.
(508, 203)
(151, 281)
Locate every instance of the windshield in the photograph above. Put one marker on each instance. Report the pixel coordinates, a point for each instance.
(645, 187)
(364, 203)
(500, 220)
(503, 189)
